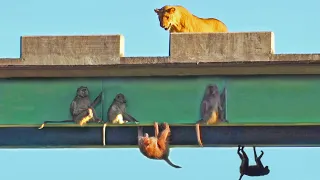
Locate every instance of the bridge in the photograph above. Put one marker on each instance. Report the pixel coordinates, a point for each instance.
(272, 99)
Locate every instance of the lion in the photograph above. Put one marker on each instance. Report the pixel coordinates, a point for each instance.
(179, 19)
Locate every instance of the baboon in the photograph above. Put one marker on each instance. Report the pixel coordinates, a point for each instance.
(253, 170)
(156, 147)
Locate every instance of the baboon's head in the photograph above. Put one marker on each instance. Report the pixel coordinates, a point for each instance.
(212, 90)
(144, 140)
(82, 91)
(120, 98)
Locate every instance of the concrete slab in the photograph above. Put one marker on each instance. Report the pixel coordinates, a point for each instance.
(144, 60)
(221, 47)
(72, 50)
(295, 57)
(184, 48)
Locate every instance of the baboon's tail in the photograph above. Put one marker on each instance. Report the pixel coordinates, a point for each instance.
(45, 122)
(171, 164)
(198, 134)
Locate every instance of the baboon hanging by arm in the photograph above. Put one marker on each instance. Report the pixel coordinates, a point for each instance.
(156, 147)
(254, 170)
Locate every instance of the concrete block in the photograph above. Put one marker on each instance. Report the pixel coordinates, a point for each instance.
(296, 57)
(72, 50)
(221, 47)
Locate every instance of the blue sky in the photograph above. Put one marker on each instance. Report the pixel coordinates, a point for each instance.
(197, 163)
(137, 21)
(295, 24)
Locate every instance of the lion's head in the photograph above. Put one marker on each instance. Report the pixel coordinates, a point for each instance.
(169, 17)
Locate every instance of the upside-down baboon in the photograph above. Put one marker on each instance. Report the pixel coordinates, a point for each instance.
(253, 170)
(156, 147)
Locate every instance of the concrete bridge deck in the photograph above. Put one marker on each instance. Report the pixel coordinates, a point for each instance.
(230, 58)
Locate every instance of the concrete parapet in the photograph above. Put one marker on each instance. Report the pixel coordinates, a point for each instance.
(72, 50)
(208, 47)
(184, 48)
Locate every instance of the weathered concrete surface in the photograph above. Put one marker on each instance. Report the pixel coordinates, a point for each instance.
(162, 60)
(144, 60)
(274, 57)
(72, 50)
(207, 47)
(295, 57)
(184, 47)
(10, 61)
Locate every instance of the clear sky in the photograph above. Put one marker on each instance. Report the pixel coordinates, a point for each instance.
(136, 20)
